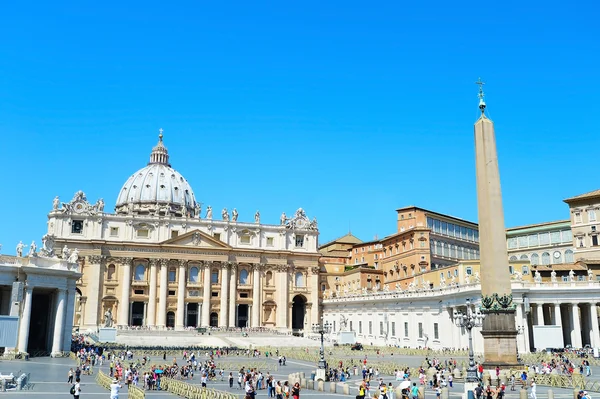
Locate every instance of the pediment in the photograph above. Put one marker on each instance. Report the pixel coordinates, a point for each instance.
(196, 239)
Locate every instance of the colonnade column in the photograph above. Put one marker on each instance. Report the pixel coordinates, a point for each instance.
(179, 321)
(125, 291)
(69, 314)
(256, 295)
(314, 296)
(93, 269)
(152, 294)
(595, 338)
(206, 296)
(162, 295)
(25, 320)
(59, 322)
(524, 330)
(576, 333)
(224, 294)
(540, 314)
(232, 295)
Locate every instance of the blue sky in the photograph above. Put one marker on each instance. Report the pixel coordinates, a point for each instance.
(347, 109)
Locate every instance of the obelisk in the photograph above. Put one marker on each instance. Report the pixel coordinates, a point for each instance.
(498, 330)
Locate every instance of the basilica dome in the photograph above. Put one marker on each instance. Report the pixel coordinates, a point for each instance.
(157, 189)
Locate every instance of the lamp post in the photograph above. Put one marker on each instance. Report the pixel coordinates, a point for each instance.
(322, 329)
(469, 320)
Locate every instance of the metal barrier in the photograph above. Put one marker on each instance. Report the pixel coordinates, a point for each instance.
(190, 391)
(133, 392)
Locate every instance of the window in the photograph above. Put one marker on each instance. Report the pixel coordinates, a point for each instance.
(370, 328)
(511, 270)
(142, 233)
(393, 328)
(512, 243)
(245, 238)
(455, 272)
(544, 238)
(77, 227)
(580, 242)
(533, 240)
(420, 330)
(523, 241)
(194, 275)
(323, 287)
(214, 277)
(243, 295)
(429, 222)
(194, 293)
(215, 294)
(138, 292)
(269, 278)
(110, 272)
(463, 233)
(446, 251)
(270, 241)
(243, 276)
(114, 231)
(171, 292)
(140, 270)
(217, 236)
(299, 279)
(381, 328)
(569, 256)
(580, 278)
(406, 329)
(469, 271)
(577, 217)
(444, 228)
(595, 241)
(545, 258)
(591, 215)
(351, 328)
(565, 279)
(555, 237)
(436, 331)
(523, 257)
(525, 269)
(513, 259)
(360, 327)
(299, 241)
(535, 259)
(174, 233)
(172, 275)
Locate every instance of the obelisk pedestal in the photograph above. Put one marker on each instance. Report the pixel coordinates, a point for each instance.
(498, 330)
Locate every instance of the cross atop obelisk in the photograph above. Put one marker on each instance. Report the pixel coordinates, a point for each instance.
(499, 332)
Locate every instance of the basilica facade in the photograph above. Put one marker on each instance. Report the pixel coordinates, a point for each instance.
(157, 262)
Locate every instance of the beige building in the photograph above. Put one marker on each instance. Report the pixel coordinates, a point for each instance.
(545, 244)
(158, 263)
(584, 210)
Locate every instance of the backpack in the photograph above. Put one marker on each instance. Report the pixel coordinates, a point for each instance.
(72, 391)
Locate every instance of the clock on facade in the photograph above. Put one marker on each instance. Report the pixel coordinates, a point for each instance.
(557, 254)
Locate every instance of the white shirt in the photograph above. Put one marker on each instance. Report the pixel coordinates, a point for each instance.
(77, 388)
(114, 390)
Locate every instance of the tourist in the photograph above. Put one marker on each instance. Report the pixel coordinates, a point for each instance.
(70, 375)
(296, 391)
(489, 393)
(414, 391)
(361, 391)
(533, 393)
(230, 380)
(114, 389)
(478, 391)
(76, 388)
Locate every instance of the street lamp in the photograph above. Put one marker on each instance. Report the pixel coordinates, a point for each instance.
(322, 329)
(469, 320)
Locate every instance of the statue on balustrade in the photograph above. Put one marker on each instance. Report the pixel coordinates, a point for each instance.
(590, 275)
(538, 277)
(571, 276)
(553, 276)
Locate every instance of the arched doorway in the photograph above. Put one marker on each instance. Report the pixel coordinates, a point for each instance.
(171, 319)
(214, 319)
(298, 311)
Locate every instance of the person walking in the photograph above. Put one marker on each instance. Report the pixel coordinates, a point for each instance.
(70, 375)
(76, 388)
(533, 393)
(296, 391)
(114, 389)
(230, 380)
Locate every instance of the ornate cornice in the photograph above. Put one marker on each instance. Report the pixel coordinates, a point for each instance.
(96, 259)
(315, 270)
(164, 262)
(154, 262)
(182, 262)
(126, 261)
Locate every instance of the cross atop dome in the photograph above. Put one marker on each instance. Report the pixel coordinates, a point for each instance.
(159, 153)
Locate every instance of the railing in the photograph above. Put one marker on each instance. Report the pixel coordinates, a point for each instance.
(190, 391)
(133, 392)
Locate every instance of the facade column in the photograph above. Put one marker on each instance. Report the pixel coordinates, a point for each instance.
(282, 297)
(521, 321)
(125, 291)
(162, 296)
(540, 314)
(576, 333)
(256, 296)
(233, 295)
(59, 322)
(25, 320)
(206, 296)
(223, 320)
(70, 314)
(95, 277)
(180, 316)
(145, 316)
(152, 294)
(595, 334)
